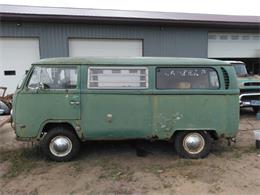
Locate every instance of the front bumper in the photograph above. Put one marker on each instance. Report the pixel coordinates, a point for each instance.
(249, 99)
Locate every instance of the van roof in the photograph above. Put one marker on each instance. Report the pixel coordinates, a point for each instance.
(234, 62)
(129, 61)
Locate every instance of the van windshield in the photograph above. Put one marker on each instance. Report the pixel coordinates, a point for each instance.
(240, 70)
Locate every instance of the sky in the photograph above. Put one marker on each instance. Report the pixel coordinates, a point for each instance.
(227, 7)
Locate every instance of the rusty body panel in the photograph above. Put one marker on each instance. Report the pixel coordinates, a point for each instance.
(149, 113)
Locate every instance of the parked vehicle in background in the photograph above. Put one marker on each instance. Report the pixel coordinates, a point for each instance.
(5, 101)
(249, 86)
(187, 101)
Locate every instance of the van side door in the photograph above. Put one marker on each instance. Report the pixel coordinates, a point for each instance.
(116, 103)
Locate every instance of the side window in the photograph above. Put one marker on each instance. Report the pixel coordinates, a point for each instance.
(186, 78)
(54, 77)
(117, 78)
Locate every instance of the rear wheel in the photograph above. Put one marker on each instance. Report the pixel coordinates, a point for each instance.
(60, 144)
(192, 145)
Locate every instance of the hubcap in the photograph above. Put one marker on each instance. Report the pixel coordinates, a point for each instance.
(60, 146)
(193, 143)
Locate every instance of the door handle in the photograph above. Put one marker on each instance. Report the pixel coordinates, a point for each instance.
(74, 102)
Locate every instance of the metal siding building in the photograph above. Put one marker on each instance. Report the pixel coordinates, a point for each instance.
(157, 41)
(57, 31)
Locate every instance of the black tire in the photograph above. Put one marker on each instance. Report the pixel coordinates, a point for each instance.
(183, 151)
(60, 132)
(256, 109)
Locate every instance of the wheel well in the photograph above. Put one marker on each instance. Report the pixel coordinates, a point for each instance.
(47, 127)
(213, 134)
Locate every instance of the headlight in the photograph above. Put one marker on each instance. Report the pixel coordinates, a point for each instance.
(241, 85)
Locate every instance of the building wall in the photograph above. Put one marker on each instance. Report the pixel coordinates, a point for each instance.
(157, 41)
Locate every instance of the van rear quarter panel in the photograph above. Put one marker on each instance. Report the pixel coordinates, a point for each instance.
(195, 112)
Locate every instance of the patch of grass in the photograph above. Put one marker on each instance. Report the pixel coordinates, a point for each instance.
(156, 169)
(191, 175)
(177, 167)
(239, 151)
(77, 166)
(188, 162)
(167, 185)
(34, 192)
(21, 160)
(118, 191)
(236, 152)
(251, 149)
(215, 189)
(116, 172)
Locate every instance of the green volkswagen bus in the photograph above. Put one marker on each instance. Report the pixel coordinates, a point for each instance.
(187, 101)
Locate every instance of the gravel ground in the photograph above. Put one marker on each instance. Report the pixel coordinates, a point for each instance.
(115, 167)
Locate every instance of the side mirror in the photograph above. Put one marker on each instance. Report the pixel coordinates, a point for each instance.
(40, 86)
(37, 87)
(43, 86)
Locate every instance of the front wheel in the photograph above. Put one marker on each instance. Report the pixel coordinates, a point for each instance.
(192, 145)
(60, 144)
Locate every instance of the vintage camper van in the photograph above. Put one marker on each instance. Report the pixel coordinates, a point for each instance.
(187, 101)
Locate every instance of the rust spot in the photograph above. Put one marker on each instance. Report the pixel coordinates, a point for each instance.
(155, 137)
(167, 123)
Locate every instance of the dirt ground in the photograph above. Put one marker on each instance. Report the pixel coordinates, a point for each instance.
(133, 167)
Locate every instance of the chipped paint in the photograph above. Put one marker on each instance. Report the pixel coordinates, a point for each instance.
(166, 122)
(77, 126)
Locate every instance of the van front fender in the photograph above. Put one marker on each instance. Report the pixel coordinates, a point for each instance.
(73, 125)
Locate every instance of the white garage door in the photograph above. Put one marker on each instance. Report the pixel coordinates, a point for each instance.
(233, 45)
(16, 56)
(105, 47)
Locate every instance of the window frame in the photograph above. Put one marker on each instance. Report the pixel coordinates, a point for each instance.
(30, 74)
(188, 89)
(129, 67)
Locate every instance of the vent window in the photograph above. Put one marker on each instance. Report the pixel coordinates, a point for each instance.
(226, 77)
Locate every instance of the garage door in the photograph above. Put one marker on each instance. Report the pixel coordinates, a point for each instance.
(16, 55)
(233, 45)
(105, 47)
